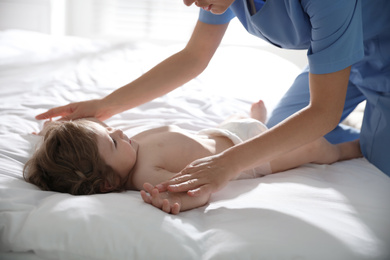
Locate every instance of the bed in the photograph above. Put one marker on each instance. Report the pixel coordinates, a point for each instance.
(338, 211)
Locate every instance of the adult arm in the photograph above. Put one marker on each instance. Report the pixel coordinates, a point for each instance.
(322, 115)
(336, 43)
(163, 78)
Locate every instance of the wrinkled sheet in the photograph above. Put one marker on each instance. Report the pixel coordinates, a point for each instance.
(337, 211)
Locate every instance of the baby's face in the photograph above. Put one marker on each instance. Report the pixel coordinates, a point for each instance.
(116, 149)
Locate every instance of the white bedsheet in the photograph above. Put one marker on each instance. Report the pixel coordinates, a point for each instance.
(338, 211)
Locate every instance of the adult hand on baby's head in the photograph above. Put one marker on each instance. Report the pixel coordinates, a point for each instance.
(90, 108)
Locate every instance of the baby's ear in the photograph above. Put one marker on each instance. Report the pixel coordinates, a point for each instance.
(106, 186)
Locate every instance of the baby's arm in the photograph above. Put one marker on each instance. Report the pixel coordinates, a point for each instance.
(171, 202)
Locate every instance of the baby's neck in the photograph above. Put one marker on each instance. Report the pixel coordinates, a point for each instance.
(129, 185)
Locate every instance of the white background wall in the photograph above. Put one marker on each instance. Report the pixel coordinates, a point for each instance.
(161, 21)
(45, 16)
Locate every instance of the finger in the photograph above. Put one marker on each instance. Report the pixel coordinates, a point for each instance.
(164, 185)
(154, 193)
(175, 209)
(178, 174)
(193, 168)
(145, 197)
(181, 179)
(185, 186)
(182, 176)
(166, 207)
(156, 200)
(73, 116)
(148, 187)
(54, 112)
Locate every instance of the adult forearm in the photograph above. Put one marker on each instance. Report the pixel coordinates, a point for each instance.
(163, 78)
(327, 95)
(303, 127)
(171, 73)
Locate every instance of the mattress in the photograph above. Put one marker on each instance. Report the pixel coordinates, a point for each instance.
(337, 211)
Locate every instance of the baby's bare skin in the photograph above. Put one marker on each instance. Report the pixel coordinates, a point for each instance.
(165, 151)
(172, 143)
(178, 149)
(157, 155)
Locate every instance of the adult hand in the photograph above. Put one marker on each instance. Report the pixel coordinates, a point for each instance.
(203, 176)
(90, 108)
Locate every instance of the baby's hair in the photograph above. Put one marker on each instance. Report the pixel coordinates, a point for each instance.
(68, 161)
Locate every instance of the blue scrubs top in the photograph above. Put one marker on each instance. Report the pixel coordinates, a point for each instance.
(336, 34)
(331, 31)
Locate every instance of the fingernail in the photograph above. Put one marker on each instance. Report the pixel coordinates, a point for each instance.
(159, 186)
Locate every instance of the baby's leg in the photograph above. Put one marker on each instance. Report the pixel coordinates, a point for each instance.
(259, 111)
(319, 151)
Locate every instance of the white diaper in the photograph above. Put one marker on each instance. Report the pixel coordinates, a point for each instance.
(239, 131)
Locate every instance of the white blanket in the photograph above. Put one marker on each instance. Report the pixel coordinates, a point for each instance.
(338, 211)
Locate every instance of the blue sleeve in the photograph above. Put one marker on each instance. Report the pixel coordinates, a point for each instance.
(207, 17)
(336, 36)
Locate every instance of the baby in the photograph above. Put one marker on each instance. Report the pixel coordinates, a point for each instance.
(87, 157)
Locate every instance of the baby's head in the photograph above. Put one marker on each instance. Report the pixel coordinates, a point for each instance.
(69, 161)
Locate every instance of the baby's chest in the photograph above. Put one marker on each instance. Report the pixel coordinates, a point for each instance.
(175, 152)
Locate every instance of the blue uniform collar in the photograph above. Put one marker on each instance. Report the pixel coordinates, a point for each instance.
(282, 23)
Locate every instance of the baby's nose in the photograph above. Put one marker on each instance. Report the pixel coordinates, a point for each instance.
(121, 134)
